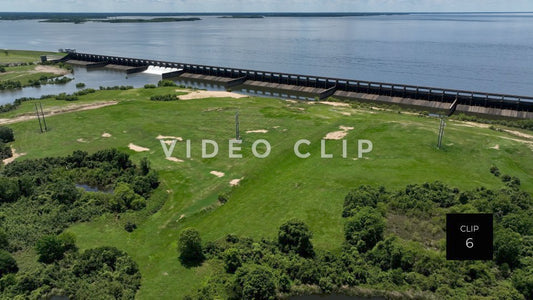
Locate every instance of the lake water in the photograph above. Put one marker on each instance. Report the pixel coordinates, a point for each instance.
(482, 52)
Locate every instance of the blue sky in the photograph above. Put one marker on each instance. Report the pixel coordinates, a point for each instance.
(265, 5)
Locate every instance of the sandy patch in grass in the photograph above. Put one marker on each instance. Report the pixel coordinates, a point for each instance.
(15, 156)
(58, 110)
(338, 135)
(472, 124)
(335, 103)
(106, 135)
(257, 131)
(168, 137)
(174, 159)
(496, 147)
(81, 140)
(519, 134)
(209, 94)
(236, 181)
(50, 69)
(217, 173)
(137, 148)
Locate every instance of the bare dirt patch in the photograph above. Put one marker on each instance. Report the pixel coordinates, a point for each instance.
(137, 148)
(257, 131)
(106, 135)
(217, 173)
(174, 159)
(12, 158)
(236, 181)
(50, 69)
(81, 140)
(335, 103)
(210, 94)
(496, 147)
(58, 110)
(338, 135)
(168, 137)
(519, 134)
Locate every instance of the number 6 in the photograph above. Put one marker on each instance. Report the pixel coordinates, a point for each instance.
(469, 243)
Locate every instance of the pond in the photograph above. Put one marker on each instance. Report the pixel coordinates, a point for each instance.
(89, 188)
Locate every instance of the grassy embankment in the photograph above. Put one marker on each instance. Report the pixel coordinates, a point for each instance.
(274, 189)
(30, 70)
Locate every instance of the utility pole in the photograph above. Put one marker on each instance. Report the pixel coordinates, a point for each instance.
(38, 117)
(237, 135)
(44, 120)
(441, 132)
(451, 110)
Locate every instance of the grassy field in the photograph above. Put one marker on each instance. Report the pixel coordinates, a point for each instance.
(273, 189)
(23, 56)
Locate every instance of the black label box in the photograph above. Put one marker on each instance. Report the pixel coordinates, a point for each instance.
(469, 236)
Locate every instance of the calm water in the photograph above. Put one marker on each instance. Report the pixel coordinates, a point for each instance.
(492, 53)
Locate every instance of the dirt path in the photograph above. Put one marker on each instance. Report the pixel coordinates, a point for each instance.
(57, 111)
(12, 158)
(210, 94)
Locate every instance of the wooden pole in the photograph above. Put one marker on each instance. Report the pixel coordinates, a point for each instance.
(44, 120)
(38, 117)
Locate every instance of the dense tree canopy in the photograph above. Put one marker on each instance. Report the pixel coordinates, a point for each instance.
(190, 246)
(295, 236)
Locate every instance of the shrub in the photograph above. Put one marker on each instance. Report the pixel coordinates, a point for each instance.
(232, 260)
(149, 86)
(166, 83)
(80, 85)
(364, 229)
(257, 283)
(190, 246)
(130, 227)
(494, 170)
(5, 151)
(7, 263)
(295, 236)
(168, 97)
(6, 134)
(50, 248)
(507, 247)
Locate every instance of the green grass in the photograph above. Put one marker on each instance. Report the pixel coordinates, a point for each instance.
(24, 74)
(274, 189)
(23, 56)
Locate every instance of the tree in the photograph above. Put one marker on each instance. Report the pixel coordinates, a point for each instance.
(4, 241)
(65, 192)
(7, 263)
(9, 189)
(190, 247)
(125, 198)
(5, 151)
(232, 260)
(256, 282)
(144, 166)
(52, 248)
(364, 229)
(6, 134)
(295, 236)
(507, 247)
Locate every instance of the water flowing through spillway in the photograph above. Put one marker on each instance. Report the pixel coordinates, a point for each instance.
(160, 70)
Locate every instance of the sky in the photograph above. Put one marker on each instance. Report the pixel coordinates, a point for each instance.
(266, 5)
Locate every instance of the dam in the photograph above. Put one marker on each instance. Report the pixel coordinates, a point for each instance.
(427, 98)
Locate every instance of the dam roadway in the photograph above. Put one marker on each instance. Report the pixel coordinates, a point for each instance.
(428, 98)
